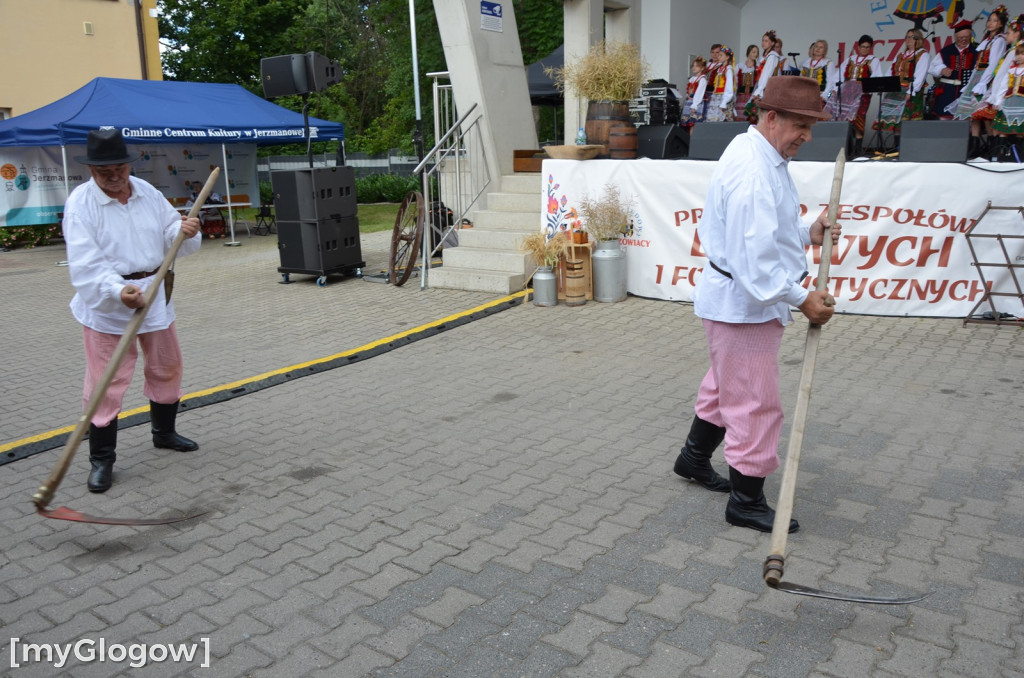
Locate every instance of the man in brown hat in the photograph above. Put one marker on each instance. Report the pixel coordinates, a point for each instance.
(755, 243)
(118, 229)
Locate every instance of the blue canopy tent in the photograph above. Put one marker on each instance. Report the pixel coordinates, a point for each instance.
(160, 111)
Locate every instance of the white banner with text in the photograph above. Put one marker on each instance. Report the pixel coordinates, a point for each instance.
(903, 249)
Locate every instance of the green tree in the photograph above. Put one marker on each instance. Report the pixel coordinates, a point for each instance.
(225, 40)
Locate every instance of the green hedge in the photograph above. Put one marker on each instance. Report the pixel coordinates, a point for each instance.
(384, 187)
(369, 188)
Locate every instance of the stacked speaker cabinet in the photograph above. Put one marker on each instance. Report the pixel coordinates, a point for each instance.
(318, 229)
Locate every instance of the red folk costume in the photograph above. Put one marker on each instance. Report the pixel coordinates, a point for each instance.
(911, 67)
(1010, 117)
(722, 90)
(852, 104)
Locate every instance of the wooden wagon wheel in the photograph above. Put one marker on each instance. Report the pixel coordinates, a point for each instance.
(405, 239)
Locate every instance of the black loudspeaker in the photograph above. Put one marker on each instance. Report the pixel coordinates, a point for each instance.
(709, 139)
(321, 72)
(934, 140)
(314, 194)
(826, 140)
(284, 75)
(298, 74)
(662, 141)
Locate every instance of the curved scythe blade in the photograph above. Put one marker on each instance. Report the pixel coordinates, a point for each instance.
(799, 590)
(65, 513)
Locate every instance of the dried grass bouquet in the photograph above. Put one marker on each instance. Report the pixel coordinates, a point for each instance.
(612, 72)
(607, 216)
(545, 251)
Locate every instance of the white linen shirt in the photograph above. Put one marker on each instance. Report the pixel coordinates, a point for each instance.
(106, 240)
(751, 228)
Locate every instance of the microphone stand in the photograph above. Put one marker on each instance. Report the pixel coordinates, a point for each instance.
(839, 83)
(793, 56)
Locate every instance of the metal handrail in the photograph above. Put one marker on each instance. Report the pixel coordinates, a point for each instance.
(440, 142)
(462, 146)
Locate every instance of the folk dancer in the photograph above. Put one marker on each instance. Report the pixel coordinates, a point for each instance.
(746, 79)
(696, 86)
(769, 65)
(722, 88)
(952, 68)
(911, 67)
(1008, 125)
(852, 103)
(996, 99)
(990, 51)
(820, 68)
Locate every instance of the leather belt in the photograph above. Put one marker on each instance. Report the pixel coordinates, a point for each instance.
(729, 275)
(720, 269)
(140, 274)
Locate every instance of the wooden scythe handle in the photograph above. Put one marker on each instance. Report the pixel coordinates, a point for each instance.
(784, 510)
(45, 494)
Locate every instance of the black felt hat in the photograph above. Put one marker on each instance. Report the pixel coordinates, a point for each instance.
(105, 147)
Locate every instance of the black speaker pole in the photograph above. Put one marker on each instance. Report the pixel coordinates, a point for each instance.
(305, 126)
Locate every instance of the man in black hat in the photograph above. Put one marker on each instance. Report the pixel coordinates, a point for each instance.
(952, 69)
(118, 229)
(755, 242)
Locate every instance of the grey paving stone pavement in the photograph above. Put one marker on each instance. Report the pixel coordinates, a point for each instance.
(497, 499)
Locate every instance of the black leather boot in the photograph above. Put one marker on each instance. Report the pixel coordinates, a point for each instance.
(1003, 151)
(974, 147)
(747, 504)
(694, 461)
(102, 446)
(162, 419)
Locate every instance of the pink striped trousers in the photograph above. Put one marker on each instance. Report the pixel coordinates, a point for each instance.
(161, 367)
(741, 392)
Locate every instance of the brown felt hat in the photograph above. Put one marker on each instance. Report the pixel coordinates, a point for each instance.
(105, 147)
(795, 95)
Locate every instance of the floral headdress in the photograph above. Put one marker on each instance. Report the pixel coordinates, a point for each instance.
(728, 52)
(1017, 23)
(1001, 12)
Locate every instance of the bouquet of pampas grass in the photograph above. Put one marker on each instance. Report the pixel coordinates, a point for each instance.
(607, 216)
(612, 72)
(545, 251)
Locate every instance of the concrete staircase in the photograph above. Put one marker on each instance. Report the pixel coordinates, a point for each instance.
(488, 257)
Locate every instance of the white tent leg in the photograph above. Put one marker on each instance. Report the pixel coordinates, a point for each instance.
(227, 190)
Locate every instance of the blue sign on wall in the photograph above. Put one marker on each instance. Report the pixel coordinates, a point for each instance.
(490, 16)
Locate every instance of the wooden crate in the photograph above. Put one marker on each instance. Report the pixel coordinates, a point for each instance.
(581, 252)
(527, 161)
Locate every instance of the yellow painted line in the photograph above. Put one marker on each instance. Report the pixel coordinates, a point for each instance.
(259, 377)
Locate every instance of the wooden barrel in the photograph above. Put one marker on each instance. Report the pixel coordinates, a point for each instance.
(575, 285)
(622, 142)
(602, 116)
